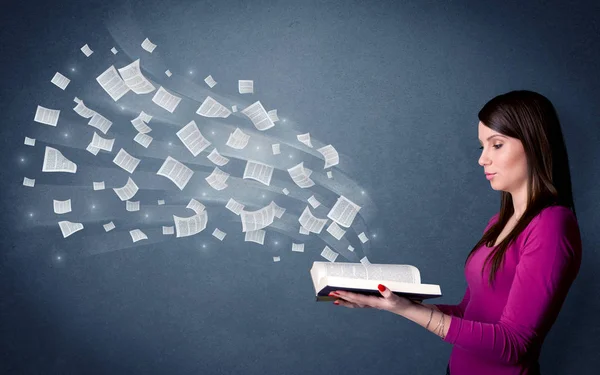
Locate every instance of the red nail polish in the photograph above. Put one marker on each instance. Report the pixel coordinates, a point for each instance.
(336, 302)
(381, 287)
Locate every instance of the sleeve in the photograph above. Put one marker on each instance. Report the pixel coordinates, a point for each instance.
(459, 310)
(549, 262)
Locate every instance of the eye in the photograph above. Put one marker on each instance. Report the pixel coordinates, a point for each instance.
(495, 146)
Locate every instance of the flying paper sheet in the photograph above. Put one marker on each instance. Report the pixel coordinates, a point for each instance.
(126, 161)
(192, 138)
(132, 206)
(219, 234)
(112, 83)
(276, 149)
(60, 81)
(196, 206)
(258, 171)
(61, 207)
(46, 116)
(335, 231)
(259, 117)
(87, 51)
(148, 45)
(301, 176)
(212, 108)
(273, 115)
(189, 226)
(217, 179)
(329, 254)
(234, 206)
(55, 161)
(102, 143)
(139, 124)
(83, 111)
(343, 211)
(277, 211)
(137, 235)
(257, 236)
(238, 139)
(305, 138)
(98, 185)
(166, 100)
(313, 201)
(92, 150)
(363, 237)
(255, 220)
(330, 154)
(210, 81)
(128, 191)
(29, 182)
(67, 228)
(246, 86)
(311, 222)
(134, 79)
(217, 158)
(175, 171)
(100, 122)
(143, 139)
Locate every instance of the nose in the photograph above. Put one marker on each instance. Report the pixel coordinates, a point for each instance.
(483, 159)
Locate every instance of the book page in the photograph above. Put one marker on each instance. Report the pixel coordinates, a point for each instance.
(392, 272)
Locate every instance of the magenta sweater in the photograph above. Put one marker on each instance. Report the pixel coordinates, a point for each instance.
(500, 331)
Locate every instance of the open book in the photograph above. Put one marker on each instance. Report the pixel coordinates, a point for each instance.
(402, 279)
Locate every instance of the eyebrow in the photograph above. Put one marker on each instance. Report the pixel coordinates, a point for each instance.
(492, 136)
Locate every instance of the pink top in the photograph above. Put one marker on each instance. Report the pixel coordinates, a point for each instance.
(500, 331)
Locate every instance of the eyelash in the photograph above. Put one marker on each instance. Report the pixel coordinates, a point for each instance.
(499, 145)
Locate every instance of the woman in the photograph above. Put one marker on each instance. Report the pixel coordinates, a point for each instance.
(520, 271)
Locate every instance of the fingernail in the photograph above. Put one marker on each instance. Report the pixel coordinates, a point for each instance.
(332, 293)
(381, 287)
(336, 302)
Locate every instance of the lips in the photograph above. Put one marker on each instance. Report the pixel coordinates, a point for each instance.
(489, 174)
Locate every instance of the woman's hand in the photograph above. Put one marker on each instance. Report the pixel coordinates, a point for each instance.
(388, 300)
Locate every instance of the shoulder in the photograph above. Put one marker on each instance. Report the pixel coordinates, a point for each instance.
(553, 217)
(554, 225)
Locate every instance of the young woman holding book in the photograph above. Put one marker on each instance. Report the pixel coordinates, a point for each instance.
(530, 250)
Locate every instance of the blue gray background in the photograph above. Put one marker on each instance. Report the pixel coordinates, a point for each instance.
(394, 86)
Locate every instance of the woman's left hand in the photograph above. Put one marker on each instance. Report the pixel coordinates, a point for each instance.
(388, 300)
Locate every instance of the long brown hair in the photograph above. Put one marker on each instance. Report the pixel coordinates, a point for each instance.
(531, 118)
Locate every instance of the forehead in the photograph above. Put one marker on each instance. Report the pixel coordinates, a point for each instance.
(485, 132)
